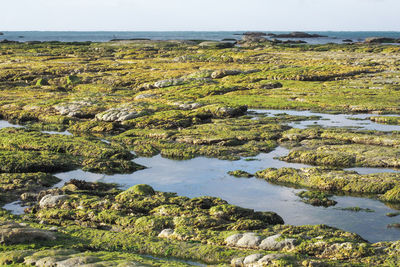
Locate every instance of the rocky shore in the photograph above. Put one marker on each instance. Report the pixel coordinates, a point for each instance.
(96, 107)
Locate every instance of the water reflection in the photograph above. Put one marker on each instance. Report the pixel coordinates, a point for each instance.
(206, 176)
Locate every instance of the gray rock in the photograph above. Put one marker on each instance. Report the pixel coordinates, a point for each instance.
(165, 233)
(233, 239)
(380, 40)
(212, 44)
(223, 73)
(47, 261)
(73, 109)
(14, 233)
(249, 240)
(143, 96)
(252, 258)
(272, 243)
(169, 82)
(188, 106)
(237, 262)
(77, 261)
(267, 259)
(254, 39)
(118, 114)
(49, 201)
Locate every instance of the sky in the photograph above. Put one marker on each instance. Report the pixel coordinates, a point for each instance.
(204, 15)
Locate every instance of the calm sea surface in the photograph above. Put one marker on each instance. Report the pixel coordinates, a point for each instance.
(104, 36)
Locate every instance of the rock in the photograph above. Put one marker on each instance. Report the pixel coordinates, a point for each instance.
(119, 114)
(142, 189)
(271, 243)
(296, 35)
(222, 73)
(188, 106)
(1, 33)
(347, 41)
(241, 174)
(166, 233)
(270, 85)
(169, 82)
(46, 261)
(14, 233)
(77, 261)
(380, 40)
(233, 239)
(49, 201)
(267, 259)
(252, 258)
(253, 39)
(5, 41)
(213, 44)
(255, 33)
(73, 109)
(230, 112)
(143, 96)
(237, 262)
(249, 240)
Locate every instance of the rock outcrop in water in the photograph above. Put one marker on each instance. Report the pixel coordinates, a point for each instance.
(295, 35)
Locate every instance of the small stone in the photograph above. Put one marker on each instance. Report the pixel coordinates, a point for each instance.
(165, 233)
(49, 201)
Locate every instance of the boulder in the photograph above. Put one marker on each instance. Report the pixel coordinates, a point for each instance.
(237, 262)
(252, 258)
(380, 40)
(222, 73)
(249, 240)
(253, 39)
(233, 239)
(213, 44)
(50, 201)
(255, 33)
(169, 82)
(73, 109)
(272, 243)
(144, 96)
(119, 114)
(267, 259)
(295, 35)
(15, 233)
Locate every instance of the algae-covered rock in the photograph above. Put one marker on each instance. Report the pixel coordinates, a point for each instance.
(14, 233)
(49, 201)
(142, 189)
(275, 242)
(240, 173)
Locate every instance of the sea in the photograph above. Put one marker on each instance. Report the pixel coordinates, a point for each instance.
(105, 36)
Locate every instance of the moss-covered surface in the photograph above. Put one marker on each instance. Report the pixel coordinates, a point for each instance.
(183, 99)
(98, 223)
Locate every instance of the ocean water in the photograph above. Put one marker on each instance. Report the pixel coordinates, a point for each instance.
(104, 36)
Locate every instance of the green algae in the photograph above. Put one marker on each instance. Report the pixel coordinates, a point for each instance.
(334, 180)
(197, 110)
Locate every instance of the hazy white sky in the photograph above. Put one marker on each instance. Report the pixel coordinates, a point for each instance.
(162, 15)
